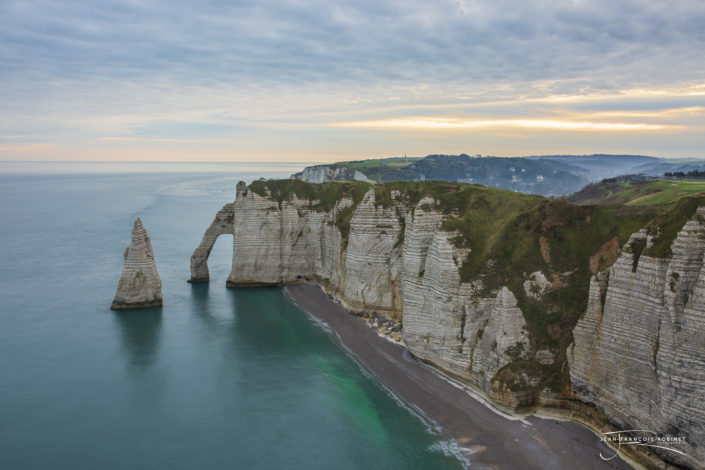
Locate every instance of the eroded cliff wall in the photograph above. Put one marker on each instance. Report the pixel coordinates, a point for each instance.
(281, 242)
(639, 351)
(445, 321)
(390, 258)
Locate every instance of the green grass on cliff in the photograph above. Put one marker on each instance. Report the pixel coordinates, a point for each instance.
(379, 162)
(667, 225)
(662, 193)
(323, 197)
(665, 193)
(675, 200)
(511, 235)
(380, 169)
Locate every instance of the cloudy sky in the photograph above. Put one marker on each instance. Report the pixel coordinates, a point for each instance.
(333, 80)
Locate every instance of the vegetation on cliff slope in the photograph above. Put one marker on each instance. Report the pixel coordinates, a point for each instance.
(667, 225)
(676, 200)
(322, 197)
(511, 235)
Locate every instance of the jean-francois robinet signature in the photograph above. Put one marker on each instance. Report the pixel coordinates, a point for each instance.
(640, 437)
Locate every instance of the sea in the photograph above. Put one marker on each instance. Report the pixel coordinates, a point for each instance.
(217, 378)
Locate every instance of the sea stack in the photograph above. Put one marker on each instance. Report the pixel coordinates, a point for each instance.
(140, 285)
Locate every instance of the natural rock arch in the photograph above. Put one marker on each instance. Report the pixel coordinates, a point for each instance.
(222, 225)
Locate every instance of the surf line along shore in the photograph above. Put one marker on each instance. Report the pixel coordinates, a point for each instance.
(488, 439)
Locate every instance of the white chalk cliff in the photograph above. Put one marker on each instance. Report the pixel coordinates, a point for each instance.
(638, 351)
(140, 285)
(393, 261)
(323, 173)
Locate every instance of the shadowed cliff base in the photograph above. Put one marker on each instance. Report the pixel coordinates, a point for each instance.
(489, 440)
(138, 305)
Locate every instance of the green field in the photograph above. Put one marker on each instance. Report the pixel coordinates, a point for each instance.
(666, 192)
(660, 193)
(377, 162)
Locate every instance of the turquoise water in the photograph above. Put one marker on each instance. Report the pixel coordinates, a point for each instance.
(217, 378)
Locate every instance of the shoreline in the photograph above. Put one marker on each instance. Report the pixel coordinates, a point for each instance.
(486, 436)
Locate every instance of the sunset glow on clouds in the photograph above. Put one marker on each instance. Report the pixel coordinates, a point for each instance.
(326, 81)
(446, 123)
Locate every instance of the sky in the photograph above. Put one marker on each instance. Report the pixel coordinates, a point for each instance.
(324, 81)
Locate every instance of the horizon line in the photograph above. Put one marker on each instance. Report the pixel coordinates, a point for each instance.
(355, 159)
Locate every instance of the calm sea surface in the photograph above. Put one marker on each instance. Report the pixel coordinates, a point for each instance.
(217, 378)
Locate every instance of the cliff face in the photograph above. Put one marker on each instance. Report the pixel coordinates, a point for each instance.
(288, 241)
(387, 258)
(638, 351)
(323, 173)
(446, 321)
(140, 285)
(513, 294)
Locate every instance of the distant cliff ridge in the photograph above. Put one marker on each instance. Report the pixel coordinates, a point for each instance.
(547, 175)
(323, 173)
(520, 296)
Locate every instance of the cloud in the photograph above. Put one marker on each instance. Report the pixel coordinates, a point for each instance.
(82, 70)
(224, 43)
(23, 148)
(460, 124)
(156, 140)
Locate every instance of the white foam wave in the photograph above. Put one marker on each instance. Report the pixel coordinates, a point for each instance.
(450, 448)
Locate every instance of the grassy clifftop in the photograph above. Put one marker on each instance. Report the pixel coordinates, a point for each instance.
(675, 201)
(506, 231)
(323, 197)
(649, 192)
